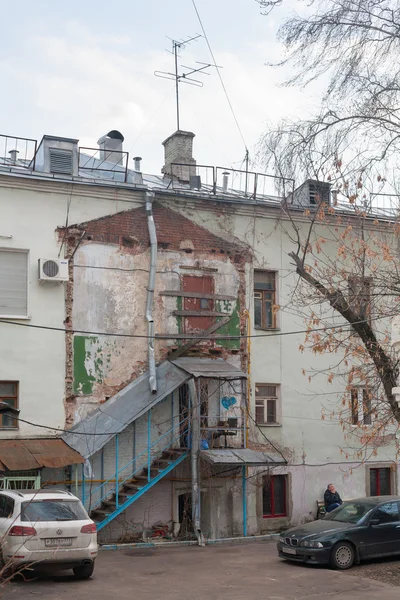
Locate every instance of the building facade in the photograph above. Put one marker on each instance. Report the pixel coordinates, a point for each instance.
(144, 332)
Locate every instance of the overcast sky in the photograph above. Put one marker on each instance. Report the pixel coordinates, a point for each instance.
(80, 68)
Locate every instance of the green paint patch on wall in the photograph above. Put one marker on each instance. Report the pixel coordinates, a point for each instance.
(86, 352)
(231, 328)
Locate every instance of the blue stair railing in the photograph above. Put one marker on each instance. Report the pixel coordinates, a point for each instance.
(158, 459)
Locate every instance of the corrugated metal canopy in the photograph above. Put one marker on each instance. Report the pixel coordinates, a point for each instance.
(215, 368)
(98, 428)
(241, 457)
(23, 455)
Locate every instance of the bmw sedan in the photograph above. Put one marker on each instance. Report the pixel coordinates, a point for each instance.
(357, 530)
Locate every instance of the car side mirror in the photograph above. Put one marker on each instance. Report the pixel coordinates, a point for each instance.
(374, 521)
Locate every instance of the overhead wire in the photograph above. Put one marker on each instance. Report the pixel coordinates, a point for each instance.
(219, 74)
(196, 336)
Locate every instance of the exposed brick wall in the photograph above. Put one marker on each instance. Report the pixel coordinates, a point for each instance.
(174, 232)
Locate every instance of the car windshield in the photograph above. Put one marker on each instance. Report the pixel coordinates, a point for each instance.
(53, 510)
(349, 512)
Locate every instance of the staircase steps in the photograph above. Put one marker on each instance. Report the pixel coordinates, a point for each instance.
(134, 487)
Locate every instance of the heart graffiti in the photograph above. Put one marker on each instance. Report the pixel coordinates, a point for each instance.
(227, 401)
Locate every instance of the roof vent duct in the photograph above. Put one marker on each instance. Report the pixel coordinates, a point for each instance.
(57, 155)
(111, 147)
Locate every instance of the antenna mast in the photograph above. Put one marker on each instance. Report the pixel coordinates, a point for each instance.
(183, 77)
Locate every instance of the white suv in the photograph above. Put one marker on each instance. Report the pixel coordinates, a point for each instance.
(46, 529)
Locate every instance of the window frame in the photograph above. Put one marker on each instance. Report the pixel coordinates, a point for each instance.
(27, 315)
(3, 398)
(259, 293)
(258, 399)
(378, 477)
(359, 399)
(359, 293)
(271, 481)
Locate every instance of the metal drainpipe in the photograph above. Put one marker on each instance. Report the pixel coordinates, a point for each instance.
(194, 457)
(150, 291)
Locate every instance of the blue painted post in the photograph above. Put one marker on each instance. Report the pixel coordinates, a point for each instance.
(83, 486)
(116, 469)
(244, 491)
(148, 444)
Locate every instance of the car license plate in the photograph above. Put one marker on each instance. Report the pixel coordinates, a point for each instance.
(57, 542)
(289, 551)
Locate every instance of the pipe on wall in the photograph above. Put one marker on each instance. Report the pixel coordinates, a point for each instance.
(150, 291)
(195, 457)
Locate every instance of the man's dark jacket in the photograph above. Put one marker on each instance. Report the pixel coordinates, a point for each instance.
(331, 498)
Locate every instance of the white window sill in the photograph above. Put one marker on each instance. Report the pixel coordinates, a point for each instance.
(16, 317)
(269, 424)
(267, 328)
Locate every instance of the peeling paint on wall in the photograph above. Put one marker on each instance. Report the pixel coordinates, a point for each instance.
(84, 373)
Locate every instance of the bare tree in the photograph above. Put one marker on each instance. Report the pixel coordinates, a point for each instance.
(346, 255)
(355, 46)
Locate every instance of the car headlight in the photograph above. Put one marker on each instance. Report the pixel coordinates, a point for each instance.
(281, 539)
(311, 544)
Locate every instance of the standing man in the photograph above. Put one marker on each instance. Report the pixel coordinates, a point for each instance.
(331, 498)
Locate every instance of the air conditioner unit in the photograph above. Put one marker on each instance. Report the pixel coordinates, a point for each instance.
(53, 269)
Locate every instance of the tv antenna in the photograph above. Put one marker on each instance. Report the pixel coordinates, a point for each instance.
(184, 76)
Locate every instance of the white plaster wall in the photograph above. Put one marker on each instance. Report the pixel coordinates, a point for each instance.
(30, 212)
(303, 435)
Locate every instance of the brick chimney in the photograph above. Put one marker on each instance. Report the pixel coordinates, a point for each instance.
(178, 148)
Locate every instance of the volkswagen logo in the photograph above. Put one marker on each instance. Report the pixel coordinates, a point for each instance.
(59, 531)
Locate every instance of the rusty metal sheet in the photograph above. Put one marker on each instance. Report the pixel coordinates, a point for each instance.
(26, 454)
(213, 368)
(241, 457)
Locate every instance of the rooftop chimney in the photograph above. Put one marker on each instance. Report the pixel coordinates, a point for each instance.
(111, 147)
(225, 180)
(137, 175)
(13, 156)
(178, 148)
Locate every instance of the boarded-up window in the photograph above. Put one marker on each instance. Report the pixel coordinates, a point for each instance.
(13, 283)
(198, 305)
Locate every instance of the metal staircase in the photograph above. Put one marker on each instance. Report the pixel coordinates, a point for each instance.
(155, 463)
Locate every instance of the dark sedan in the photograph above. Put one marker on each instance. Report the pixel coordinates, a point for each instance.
(357, 530)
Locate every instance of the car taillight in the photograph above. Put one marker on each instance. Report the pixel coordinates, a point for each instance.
(91, 528)
(23, 531)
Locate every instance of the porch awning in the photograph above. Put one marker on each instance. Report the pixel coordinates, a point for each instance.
(26, 454)
(99, 427)
(213, 368)
(241, 457)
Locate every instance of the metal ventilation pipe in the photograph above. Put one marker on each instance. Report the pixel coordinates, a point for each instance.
(225, 180)
(137, 175)
(150, 291)
(14, 155)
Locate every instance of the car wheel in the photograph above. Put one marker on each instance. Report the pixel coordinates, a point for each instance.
(84, 571)
(342, 556)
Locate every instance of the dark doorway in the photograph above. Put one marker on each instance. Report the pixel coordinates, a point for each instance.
(185, 516)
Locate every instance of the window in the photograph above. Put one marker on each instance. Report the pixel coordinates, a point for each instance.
(360, 296)
(9, 395)
(274, 496)
(361, 406)
(387, 513)
(13, 283)
(264, 299)
(6, 507)
(267, 404)
(380, 481)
